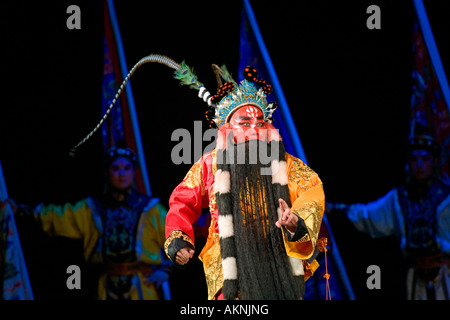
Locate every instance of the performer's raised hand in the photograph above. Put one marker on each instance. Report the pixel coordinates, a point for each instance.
(183, 255)
(288, 219)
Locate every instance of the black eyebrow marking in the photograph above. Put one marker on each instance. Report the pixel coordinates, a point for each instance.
(243, 118)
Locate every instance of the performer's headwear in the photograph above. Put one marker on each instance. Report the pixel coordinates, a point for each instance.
(251, 91)
(421, 139)
(229, 97)
(120, 152)
(426, 142)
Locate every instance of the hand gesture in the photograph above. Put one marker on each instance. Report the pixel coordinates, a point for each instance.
(183, 255)
(288, 219)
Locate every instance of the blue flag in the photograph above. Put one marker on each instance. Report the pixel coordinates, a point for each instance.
(15, 281)
(254, 53)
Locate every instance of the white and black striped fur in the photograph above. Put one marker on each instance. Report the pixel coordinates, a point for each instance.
(255, 265)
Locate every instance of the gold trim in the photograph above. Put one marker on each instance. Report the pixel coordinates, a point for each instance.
(310, 212)
(305, 238)
(173, 235)
(214, 161)
(193, 178)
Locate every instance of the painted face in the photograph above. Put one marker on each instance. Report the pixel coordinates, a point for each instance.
(422, 164)
(246, 123)
(121, 173)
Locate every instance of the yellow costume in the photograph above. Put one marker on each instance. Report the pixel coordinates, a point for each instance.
(126, 240)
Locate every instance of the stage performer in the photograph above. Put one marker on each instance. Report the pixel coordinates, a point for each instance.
(418, 213)
(266, 205)
(266, 211)
(122, 233)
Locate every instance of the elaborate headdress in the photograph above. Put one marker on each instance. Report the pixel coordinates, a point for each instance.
(420, 138)
(251, 91)
(120, 152)
(426, 142)
(229, 97)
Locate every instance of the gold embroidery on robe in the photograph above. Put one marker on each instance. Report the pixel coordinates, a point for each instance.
(193, 178)
(301, 174)
(212, 262)
(308, 202)
(212, 201)
(309, 268)
(310, 212)
(214, 161)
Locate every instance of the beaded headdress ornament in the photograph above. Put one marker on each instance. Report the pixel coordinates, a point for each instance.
(250, 91)
(120, 152)
(421, 138)
(426, 142)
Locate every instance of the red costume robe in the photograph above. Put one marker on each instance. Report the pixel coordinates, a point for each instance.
(195, 193)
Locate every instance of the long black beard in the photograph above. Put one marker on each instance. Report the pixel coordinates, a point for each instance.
(264, 272)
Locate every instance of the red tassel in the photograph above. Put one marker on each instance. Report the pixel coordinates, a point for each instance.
(322, 246)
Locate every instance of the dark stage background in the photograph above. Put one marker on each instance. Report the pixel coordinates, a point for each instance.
(348, 89)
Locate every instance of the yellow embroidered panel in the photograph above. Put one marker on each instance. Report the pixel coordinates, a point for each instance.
(311, 213)
(212, 262)
(308, 202)
(301, 174)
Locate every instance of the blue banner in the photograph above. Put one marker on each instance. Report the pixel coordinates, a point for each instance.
(254, 53)
(15, 280)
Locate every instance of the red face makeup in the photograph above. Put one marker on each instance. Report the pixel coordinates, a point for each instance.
(246, 123)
